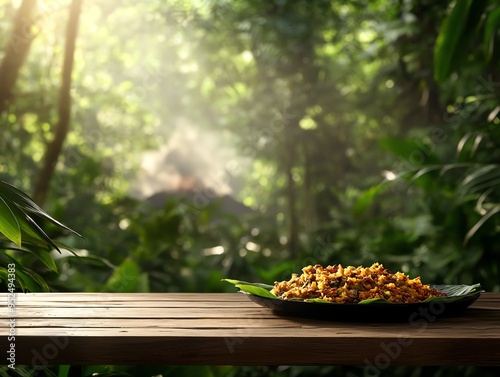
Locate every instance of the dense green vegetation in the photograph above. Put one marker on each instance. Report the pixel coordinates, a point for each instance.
(355, 131)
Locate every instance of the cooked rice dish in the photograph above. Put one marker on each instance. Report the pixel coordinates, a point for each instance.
(353, 284)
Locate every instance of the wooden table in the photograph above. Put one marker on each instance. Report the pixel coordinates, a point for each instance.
(229, 329)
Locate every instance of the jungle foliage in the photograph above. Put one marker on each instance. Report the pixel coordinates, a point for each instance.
(366, 131)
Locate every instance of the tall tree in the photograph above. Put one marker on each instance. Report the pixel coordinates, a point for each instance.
(55, 147)
(16, 51)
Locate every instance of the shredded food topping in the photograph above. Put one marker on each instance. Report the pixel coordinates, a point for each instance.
(353, 284)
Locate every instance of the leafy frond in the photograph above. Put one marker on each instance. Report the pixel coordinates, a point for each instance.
(478, 182)
(17, 218)
(18, 215)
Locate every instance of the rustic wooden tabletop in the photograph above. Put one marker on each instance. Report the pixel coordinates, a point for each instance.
(229, 329)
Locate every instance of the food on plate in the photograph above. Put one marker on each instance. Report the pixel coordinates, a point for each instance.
(354, 284)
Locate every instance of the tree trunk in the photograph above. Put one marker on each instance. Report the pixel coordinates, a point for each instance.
(16, 51)
(293, 228)
(55, 147)
(290, 151)
(309, 221)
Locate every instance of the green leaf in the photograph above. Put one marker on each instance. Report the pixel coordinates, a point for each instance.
(365, 199)
(480, 179)
(45, 257)
(456, 292)
(414, 153)
(25, 277)
(33, 229)
(29, 226)
(16, 205)
(25, 203)
(453, 293)
(492, 25)
(480, 223)
(317, 300)
(235, 282)
(459, 290)
(30, 280)
(9, 225)
(4, 274)
(374, 301)
(125, 278)
(95, 260)
(39, 253)
(257, 289)
(423, 171)
(447, 43)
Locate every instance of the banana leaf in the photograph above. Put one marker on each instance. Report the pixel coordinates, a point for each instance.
(258, 289)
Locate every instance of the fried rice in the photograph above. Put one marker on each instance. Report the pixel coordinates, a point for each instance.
(353, 284)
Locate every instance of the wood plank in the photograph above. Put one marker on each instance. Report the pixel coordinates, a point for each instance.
(240, 350)
(192, 323)
(176, 310)
(112, 297)
(138, 304)
(266, 328)
(120, 312)
(273, 327)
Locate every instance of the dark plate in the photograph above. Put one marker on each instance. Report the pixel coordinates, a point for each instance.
(374, 312)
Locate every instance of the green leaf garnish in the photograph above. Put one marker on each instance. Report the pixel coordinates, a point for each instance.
(317, 300)
(374, 301)
(257, 289)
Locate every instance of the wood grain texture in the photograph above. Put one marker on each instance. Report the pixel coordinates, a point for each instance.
(223, 329)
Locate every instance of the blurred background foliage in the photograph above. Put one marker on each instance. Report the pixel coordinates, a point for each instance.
(246, 139)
